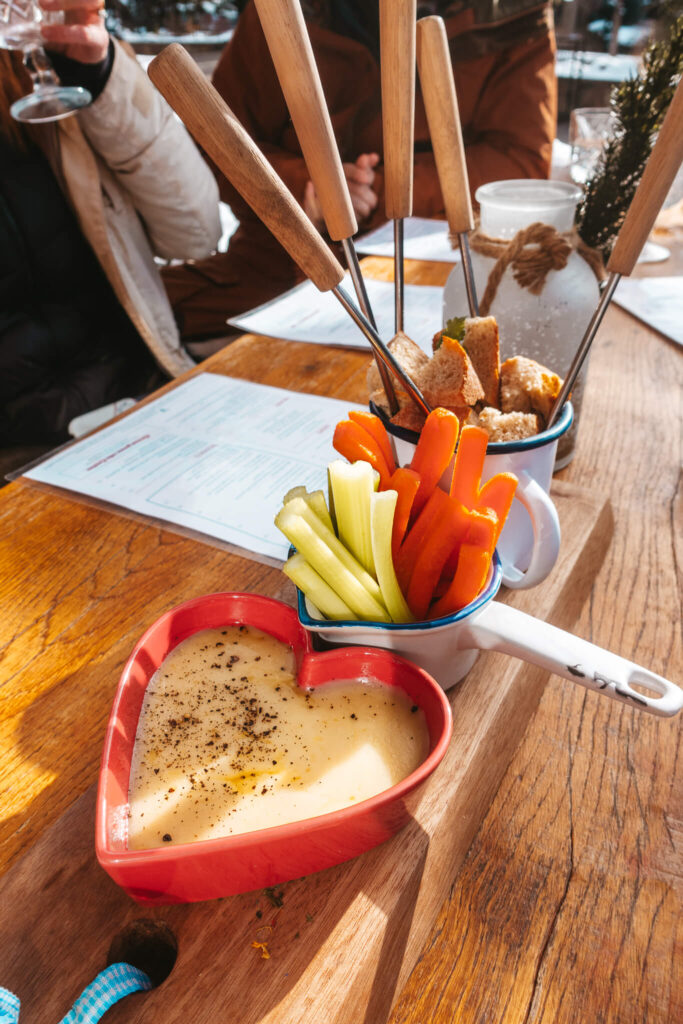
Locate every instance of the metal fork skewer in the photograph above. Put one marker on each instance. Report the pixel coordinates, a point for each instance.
(364, 303)
(469, 275)
(381, 351)
(398, 275)
(584, 346)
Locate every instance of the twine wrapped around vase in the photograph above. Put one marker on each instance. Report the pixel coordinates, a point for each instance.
(532, 253)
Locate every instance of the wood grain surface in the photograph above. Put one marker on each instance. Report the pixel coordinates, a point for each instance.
(369, 918)
(567, 906)
(443, 116)
(290, 48)
(397, 66)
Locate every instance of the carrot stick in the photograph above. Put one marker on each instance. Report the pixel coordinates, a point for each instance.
(498, 494)
(405, 482)
(434, 451)
(356, 445)
(376, 429)
(474, 560)
(480, 527)
(444, 536)
(417, 536)
(470, 577)
(469, 462)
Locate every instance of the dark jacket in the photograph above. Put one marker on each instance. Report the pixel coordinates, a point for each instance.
(66, 344)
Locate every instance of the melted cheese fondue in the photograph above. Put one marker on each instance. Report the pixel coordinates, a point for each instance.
(227, 742)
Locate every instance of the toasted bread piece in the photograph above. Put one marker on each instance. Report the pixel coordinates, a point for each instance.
(410, 417)
(526, 386)
(407, 353)
(509, 426)
(448, 378)
(463, 412)
(481, 344)
(379, 398)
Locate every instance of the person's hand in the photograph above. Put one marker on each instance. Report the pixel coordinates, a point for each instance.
(83, 36)
(359, 177)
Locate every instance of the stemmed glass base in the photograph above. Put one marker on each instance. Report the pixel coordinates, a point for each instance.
(50, 103)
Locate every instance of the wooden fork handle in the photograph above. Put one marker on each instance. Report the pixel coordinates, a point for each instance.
(397, 45)
(443, 117)
(216, 129)
(658, 176)
(290, 48)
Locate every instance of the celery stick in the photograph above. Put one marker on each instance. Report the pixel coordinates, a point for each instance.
(327, 564)
(330, 502)
(326, 600)
(352, 487)
(316, 500)
(295, 492)
(382, 507)
(303, 509)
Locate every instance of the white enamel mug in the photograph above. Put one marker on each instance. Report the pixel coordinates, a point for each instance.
(530, 542)
(447, 648)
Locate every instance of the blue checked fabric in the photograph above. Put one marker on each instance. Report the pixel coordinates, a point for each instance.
(9, 1007)
(112, 984)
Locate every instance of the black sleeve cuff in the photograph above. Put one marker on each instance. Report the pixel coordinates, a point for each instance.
(92, 77)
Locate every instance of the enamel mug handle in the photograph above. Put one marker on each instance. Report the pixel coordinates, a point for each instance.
(501, 628)
(546, 526)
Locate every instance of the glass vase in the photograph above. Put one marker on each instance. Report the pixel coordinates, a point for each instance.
(546, 327)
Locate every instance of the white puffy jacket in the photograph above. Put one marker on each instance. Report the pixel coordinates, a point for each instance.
(140, 188)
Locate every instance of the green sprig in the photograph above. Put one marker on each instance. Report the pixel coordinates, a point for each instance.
(638, 107)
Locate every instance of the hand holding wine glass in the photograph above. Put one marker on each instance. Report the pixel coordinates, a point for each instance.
(81, 35)
(71, 27)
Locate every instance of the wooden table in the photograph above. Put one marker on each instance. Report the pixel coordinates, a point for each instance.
(567, 907)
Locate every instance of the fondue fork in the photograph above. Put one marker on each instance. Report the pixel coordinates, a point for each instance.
(218, 132)
(660, 171)
(397, 65)
(290, 48)
(443, 117)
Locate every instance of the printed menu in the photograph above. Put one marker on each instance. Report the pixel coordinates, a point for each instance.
(215, 455)
(306, 314)
(423, 239)
(657, 301)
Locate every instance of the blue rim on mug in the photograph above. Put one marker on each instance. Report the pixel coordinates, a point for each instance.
(490, 590)
(494, 447)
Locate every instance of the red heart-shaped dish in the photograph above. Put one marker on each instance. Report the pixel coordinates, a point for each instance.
(252, 860)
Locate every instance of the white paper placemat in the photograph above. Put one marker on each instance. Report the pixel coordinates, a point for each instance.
(657, 301)
(215, 455)
(306, 314)
(423, 239)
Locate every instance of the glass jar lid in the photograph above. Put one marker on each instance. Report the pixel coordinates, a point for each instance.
(507, 206)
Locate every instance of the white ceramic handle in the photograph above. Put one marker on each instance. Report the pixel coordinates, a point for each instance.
(546, 526)
(501, 628)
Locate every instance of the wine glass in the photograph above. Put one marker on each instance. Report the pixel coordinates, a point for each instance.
(589, 130)
(20, 30)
